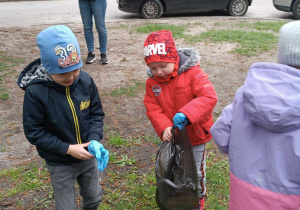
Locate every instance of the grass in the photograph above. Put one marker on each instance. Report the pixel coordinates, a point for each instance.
(124, 160)
(116, 140)
(24, 179)
(250, 43)
(217, 176)
(153, 139)
(264, 26)
(6, 68)
(130, 189)
(129, 91)
(7, 62)
(177, 30)
(4, 95)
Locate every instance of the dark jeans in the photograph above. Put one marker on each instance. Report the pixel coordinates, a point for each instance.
(96, 9)
(63, 179)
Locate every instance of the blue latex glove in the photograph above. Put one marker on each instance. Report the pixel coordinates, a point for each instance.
(179, 120)
(102, 155)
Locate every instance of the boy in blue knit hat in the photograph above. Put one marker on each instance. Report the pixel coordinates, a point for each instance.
(63, 118)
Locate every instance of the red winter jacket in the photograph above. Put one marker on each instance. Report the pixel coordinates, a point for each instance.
(190, 93)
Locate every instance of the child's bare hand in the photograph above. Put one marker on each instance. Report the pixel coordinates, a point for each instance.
(167, 134)
(78, 151)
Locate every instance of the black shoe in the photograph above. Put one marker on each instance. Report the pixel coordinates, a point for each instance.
(91, 57)
(104, 59)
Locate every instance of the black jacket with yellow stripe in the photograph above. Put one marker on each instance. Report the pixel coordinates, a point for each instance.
(55, 116)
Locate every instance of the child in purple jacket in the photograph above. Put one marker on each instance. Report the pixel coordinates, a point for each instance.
(260, 131)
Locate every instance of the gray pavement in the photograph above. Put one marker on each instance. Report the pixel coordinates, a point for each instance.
(26, 13)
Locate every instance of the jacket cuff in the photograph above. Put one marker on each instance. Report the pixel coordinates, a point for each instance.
(63, 148)
(189, 117)
(94, 136)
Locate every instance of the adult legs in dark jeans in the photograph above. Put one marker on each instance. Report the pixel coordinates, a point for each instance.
(96, 9)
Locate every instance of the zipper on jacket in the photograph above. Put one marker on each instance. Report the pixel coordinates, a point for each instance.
(74, 115)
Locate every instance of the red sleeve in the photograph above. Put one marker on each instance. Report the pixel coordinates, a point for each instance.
(154, 111)
(200, 109)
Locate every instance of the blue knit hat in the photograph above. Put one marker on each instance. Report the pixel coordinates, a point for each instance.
(60, 52)
(289, 44)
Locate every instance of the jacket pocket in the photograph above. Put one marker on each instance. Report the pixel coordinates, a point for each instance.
(181, 90)
(207, 125)
(182, 96)
(202, 130)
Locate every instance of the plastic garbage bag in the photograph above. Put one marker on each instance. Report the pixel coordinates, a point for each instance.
(176, 174)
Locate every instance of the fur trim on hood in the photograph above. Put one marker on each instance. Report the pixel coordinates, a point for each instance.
(189, 57)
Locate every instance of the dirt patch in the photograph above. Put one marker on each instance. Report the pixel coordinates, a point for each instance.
(125, 115)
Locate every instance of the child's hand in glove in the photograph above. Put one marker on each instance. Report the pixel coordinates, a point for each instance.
(102, 155)
(180, 120)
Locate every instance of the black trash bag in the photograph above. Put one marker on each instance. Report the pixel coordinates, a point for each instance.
(176, 174)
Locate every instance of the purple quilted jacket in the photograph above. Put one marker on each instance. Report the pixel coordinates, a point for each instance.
(260, 131)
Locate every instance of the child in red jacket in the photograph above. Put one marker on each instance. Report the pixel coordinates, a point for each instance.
(178, 90)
